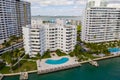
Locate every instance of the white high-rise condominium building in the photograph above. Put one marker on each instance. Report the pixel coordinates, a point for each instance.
(13, 15)
(101, 22)
(40, 37)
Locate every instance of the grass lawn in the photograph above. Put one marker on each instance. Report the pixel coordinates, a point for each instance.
(5, 70)
(26, 66)
(35, 58)
(89, 56)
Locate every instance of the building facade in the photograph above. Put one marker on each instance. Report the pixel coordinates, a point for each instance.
(13, 15)
(38, 38)
(101, 22)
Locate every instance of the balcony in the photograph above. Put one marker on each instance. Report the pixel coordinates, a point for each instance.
(68, 39)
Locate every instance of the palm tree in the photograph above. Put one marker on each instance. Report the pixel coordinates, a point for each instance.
(38, 55)
(6, 44)
(15, 53)
(4, 55)
(17, 38)
(8, 59)
(46, 54)
(13, 38)
(18, 55)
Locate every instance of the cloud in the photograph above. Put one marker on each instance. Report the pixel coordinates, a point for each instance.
(52, 2)
(56, 7)
(53, 11)
(59, 7)
(62, 2)
(58, 2)
(81, 2)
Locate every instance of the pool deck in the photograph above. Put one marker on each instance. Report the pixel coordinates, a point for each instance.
(46, 68)
(114, 51)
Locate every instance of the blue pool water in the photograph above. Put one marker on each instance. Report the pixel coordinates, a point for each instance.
(114, 49)
(60, 61)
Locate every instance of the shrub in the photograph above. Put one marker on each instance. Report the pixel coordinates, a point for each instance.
(59, 53)
(2, 64)
(46, 54)
(27, 56)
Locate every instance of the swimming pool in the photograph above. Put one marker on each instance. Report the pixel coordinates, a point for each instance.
(59, 61)
(114, 50)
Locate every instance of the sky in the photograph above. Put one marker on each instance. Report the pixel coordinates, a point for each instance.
(59, 7)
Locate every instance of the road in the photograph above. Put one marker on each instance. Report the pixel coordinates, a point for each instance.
(18, 45)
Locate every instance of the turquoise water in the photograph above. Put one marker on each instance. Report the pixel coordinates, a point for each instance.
(114, 49)
(60, 61)
(108, 70)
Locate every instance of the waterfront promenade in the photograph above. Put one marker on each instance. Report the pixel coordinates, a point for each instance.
(1, 76)
(97, 59)
(101, 58)
(52, 68)
(108, 70)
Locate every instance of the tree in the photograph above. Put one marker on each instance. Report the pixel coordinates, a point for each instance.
(16, 53)
(12, 38)
(46, 54)
(17, 38)
(27, 56)
(60, 53)
(3, 56)
(39, 56)
(2, 64)
(9, 60)
(22, 49)
(72, 54)
(6, 44)
(77, 50)
(79, 28)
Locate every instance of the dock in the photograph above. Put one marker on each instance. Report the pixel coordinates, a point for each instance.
(94, 63)
(24, 76)
(1, 76)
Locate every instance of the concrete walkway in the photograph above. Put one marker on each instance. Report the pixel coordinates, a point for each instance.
(1, 76)
(18, 61)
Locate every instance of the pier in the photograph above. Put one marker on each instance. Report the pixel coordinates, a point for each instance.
(1, 76)
(24, 76)
(94, 63)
